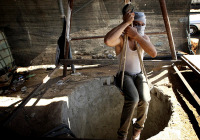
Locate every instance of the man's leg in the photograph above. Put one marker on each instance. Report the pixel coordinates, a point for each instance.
(131, 101)
(126, 118)
(143, 105)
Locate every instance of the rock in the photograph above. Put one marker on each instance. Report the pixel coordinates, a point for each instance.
(110, 56)
(102, 56)
(94, 56)
(106, 52)
(86, 53)
(23, 89)
(78, 57)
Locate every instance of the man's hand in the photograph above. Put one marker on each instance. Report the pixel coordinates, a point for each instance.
(131, 32)
(128, 18)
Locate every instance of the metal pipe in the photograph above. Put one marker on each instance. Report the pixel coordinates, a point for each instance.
(96, 37)
(156, 33)
(60, 3)
(88, 37)
(168, 28)
(192, 92)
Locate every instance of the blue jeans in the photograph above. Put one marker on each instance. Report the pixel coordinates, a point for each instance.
(136, 96)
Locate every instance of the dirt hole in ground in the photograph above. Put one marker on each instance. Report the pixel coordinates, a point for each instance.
(96, 111)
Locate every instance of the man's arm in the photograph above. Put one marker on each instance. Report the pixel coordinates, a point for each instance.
(114, 38)
(146, 45)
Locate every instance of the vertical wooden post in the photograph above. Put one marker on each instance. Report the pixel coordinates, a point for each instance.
(168, 28)
(68, 24)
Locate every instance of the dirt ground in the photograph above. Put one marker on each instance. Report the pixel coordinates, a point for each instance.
(165, 78)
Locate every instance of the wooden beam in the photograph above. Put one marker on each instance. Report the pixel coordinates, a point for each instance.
(114, 61)
(187, 85)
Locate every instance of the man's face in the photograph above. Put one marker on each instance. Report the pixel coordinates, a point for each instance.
(138, 23)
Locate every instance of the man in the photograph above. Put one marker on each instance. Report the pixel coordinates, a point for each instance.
(135, 88)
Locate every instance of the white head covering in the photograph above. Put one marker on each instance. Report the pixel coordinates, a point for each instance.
(140, 16)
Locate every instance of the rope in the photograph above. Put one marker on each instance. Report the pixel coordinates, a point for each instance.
(141, 63)
(124, 58)
(124, 51)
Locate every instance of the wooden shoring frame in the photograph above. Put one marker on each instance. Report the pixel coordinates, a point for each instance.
(165, 18)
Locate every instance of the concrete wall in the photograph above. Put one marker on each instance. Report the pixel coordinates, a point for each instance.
(33, 27)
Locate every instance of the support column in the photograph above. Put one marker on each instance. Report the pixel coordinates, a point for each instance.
(168, 28)
(68, 24)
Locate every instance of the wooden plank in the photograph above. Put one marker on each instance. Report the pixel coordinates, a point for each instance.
(194, 60)
(187, 85)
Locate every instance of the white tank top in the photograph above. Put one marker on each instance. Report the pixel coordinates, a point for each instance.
(132, 64)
